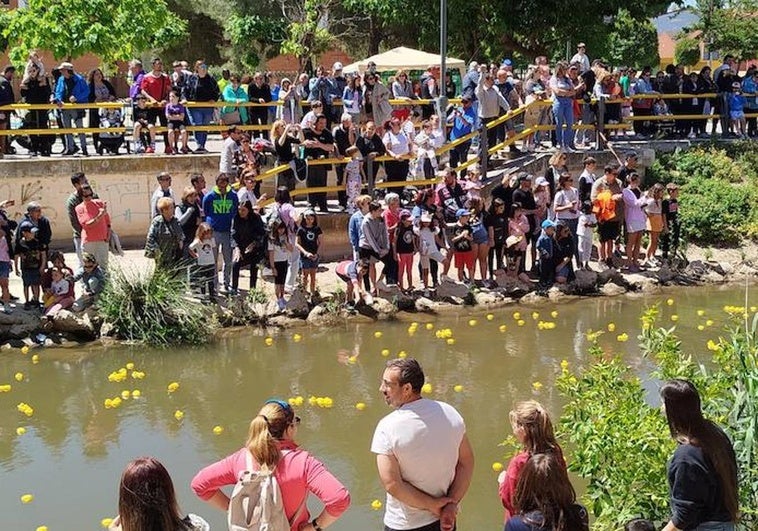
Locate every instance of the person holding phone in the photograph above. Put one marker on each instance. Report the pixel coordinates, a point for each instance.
(95, 221)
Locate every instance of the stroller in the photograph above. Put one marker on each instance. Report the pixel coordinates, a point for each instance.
(663, 128)
(39, 144)
(111, 141)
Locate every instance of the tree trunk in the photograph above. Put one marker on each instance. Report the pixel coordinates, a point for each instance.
(374, 36)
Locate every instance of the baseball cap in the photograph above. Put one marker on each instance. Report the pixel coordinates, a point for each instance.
(462, 212)
(541, 181)
(66, 66)
(405, 214)
(337, 66)
(426, 218)
(309, 212)
(581, 45)
(28, 227)
(548, 223)
(32, 206)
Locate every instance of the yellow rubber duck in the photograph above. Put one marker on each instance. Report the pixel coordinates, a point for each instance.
(385, 352)
(376, 505)
(429, 326)
(27, 498)
(218, 430)
(472, 322)
(269, 341)
(426, 388)
(173, 386)
(178, 414)
(35, 359)
(458, 388)
(20, 430)
(136, 393)
(497, 466)
(360, 406)
(502, 328)
(378, 334)
(19, 376)
(490, 317)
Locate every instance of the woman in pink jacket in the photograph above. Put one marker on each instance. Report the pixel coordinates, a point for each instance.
(271, 442)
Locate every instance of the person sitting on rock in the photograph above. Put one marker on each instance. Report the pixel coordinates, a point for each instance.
(353, 273)
(92, 279)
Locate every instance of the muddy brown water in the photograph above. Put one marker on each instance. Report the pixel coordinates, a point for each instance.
(73, 451)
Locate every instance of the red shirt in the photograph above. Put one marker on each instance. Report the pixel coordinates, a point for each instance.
(157, 87)
(391, 220)
(100, 231)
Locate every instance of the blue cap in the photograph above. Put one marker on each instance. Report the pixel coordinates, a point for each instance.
(507, 62)
(462, 212)
(548, 223)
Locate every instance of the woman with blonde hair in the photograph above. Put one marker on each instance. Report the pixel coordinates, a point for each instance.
(147, 500)
(270, 442)
(533, 429)
(535, 114)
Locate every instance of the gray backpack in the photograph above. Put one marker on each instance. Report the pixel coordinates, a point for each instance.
(256, 503)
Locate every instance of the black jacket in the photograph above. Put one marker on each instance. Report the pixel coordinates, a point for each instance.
(107, 84)
(44, 234)
(247, 231)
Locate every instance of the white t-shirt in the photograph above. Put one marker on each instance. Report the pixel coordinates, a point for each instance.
(204, 250)
(424, 436)
(565, 197)
(398, 144)
(582, 230)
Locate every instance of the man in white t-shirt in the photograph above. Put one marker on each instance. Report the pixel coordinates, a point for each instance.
(424, 458)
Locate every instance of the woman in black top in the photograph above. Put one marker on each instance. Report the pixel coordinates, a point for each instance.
(371, 146)
(100, 90)
(201, 87)
(498, 220)
(37, 89)
(258, 92)
(248, 242)
(284, 136)
(702, 473)
(188, 215)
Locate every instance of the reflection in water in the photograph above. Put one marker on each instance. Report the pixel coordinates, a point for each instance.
(74, 449)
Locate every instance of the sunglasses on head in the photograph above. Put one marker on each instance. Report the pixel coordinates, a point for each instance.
(286, 407)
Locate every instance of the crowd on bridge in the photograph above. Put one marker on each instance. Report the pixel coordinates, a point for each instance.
(425, 462)
(570, 89)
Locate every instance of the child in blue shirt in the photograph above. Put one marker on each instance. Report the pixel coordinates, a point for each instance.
(546, 252)
(737, 104)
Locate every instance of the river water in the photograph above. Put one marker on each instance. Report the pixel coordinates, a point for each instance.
(73, 451)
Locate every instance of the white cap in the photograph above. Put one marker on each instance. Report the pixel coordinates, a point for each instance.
(541, 181)
(337, 66)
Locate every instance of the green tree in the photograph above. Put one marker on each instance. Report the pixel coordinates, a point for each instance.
(308, 33)
(633, 42)
(113, 29)
(687, 51)
(728, 26)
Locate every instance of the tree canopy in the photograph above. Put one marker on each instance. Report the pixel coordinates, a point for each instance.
(113, 29)
(729, 26)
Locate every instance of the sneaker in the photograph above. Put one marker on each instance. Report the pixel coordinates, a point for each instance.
(185, 150)
(150, 149)
(7, 310)
(381, 285)
(200, 149)
(139, 149)
(445, 278)
(281, 303)
(168, 151)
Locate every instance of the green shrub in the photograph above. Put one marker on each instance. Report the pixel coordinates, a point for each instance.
(152, 306)
(716, 212)
(621, 443)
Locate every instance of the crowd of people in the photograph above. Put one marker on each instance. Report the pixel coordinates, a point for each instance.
(487, 91)
(425, 463)
(48, 282)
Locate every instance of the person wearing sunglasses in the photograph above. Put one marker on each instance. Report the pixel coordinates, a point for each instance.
(271, 442)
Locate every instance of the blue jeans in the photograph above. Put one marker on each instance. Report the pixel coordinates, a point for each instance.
(70, 118)
(715, 526)
(563, 110)
(224, 241)
(201, 116)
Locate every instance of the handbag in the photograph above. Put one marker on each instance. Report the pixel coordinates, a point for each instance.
(231, 118)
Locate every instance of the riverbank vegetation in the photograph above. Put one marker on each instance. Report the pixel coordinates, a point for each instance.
(719, 191)
(618, 439)
(151, 306)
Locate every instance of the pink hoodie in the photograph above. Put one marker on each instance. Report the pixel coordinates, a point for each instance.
(297, 473)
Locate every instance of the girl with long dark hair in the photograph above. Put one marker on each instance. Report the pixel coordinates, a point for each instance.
(147, 500)
(702, 473)
(545, 499)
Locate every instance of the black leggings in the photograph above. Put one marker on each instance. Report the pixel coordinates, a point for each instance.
(495, 255)
(280, 272)
(251, 260)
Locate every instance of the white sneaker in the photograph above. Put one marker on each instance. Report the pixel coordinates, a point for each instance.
(445, 278)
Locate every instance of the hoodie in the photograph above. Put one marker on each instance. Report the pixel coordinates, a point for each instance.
(220, 209)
